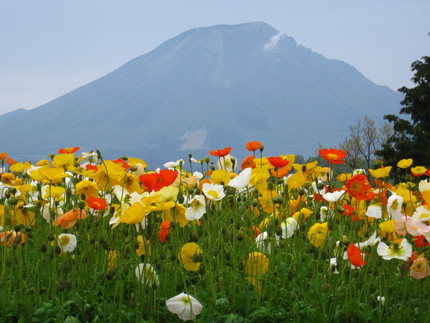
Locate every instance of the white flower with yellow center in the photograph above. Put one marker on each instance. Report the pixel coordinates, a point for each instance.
(67, 242)
(399, 251)
(174, 164)
(242, 180)
(333, 196)
(359, 171)
(394, 206)
(324, 213)
(374, 211)
(214, 192)
(424, 185)
(369, 242)
(196, 209)
(228, 163)
(421, 214)
(185, 306)
(288, 227)
(146, 274)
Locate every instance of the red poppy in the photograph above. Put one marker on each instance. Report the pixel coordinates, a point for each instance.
(319, 198)
(122, 162)
(348, 209)
(333, 156)
(419, 241)
(359, 188)
(156, 181)
(164, 231)
(96, 203)
(220, 152)
(278, 161)
(248, 162)
(355, 256)
(253, 145)
(68, 150)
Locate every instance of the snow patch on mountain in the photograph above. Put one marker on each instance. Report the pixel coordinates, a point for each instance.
(273, 41)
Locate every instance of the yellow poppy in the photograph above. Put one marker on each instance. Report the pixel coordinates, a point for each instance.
(318, 233)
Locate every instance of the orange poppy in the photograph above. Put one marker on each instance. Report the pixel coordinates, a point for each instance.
(359, 188)
(164, 231)
(11, 161)
(220, 152)
(68, 150)
(68, 219)
(122, 162)
(281, 172)
(3, 156)
(92, 167)
(7, 238)
(333, 156)
(156, 181)
(278, 161)
(253, 145)
(355, 256)
(96, 203)
(248, 162)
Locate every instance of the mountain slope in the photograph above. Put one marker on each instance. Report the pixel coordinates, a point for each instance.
(205, 89)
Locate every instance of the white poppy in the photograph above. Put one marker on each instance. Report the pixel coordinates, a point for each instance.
(146, 274)
(374, 211)
(402, 251)
(242, 180)
(67, 242)
(369, 242)
(318, 187)
(214, 192)
(359, 171)
(174, 164)
(424, 185)
(288, 227)
(228, 163)
(324, 213)
(394, 206)
(334, 265)
(421, 214)
(185, 306)
(333, 196)
(198, 175)
(196, 209)
(263, 243)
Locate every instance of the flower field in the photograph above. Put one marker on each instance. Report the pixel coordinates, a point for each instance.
(84, 239)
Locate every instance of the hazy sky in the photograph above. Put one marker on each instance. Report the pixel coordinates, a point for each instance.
(50, 47)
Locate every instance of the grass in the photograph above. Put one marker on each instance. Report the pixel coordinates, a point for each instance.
(42, 283)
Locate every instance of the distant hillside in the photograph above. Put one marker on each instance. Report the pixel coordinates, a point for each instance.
(206, 88)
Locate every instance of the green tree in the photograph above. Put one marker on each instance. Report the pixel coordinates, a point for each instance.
(411, 136)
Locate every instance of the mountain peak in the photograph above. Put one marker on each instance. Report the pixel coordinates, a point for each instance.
(247, 26)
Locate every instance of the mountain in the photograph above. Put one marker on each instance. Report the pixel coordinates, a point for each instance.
(204, 89)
